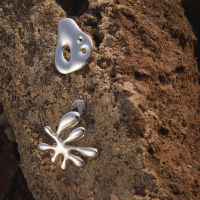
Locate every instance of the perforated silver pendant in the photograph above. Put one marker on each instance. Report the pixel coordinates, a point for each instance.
(69, 120)
(80, 45)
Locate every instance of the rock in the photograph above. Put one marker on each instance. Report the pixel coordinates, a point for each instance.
(13, 184)
(8, 164)
(141, 91)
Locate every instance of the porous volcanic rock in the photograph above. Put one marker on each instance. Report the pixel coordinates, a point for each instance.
(141, 91)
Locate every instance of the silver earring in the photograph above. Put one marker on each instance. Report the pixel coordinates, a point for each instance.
(80, 45)
(69, 120)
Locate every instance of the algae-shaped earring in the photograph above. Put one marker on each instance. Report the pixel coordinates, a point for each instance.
(69, 120)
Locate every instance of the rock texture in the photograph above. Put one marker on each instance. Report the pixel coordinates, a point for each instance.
(141, 90)
(13, 184)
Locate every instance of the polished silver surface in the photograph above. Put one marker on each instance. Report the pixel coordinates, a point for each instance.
(80, 45)
(69, 120)
(78, 105)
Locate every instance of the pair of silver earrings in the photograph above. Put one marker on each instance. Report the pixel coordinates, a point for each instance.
(80, 45)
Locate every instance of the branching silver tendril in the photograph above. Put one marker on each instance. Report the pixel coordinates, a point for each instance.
(69, 120)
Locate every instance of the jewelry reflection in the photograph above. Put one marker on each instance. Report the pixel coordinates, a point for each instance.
(80, 45)
(69, 120)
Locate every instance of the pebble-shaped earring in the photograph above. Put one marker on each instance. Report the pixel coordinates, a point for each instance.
(80, 45)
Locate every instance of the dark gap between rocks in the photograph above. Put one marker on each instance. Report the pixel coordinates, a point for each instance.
(1, 108)
(74, 8)
(13, 185)
(192, 13)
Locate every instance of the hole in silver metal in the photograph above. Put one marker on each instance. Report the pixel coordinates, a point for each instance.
(66, 52)
(80, 39)
(83, 50)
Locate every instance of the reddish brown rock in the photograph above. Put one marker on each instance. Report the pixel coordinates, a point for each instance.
(140, 86)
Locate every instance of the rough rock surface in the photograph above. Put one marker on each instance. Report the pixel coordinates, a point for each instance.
(141, 90)
(13, 185)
